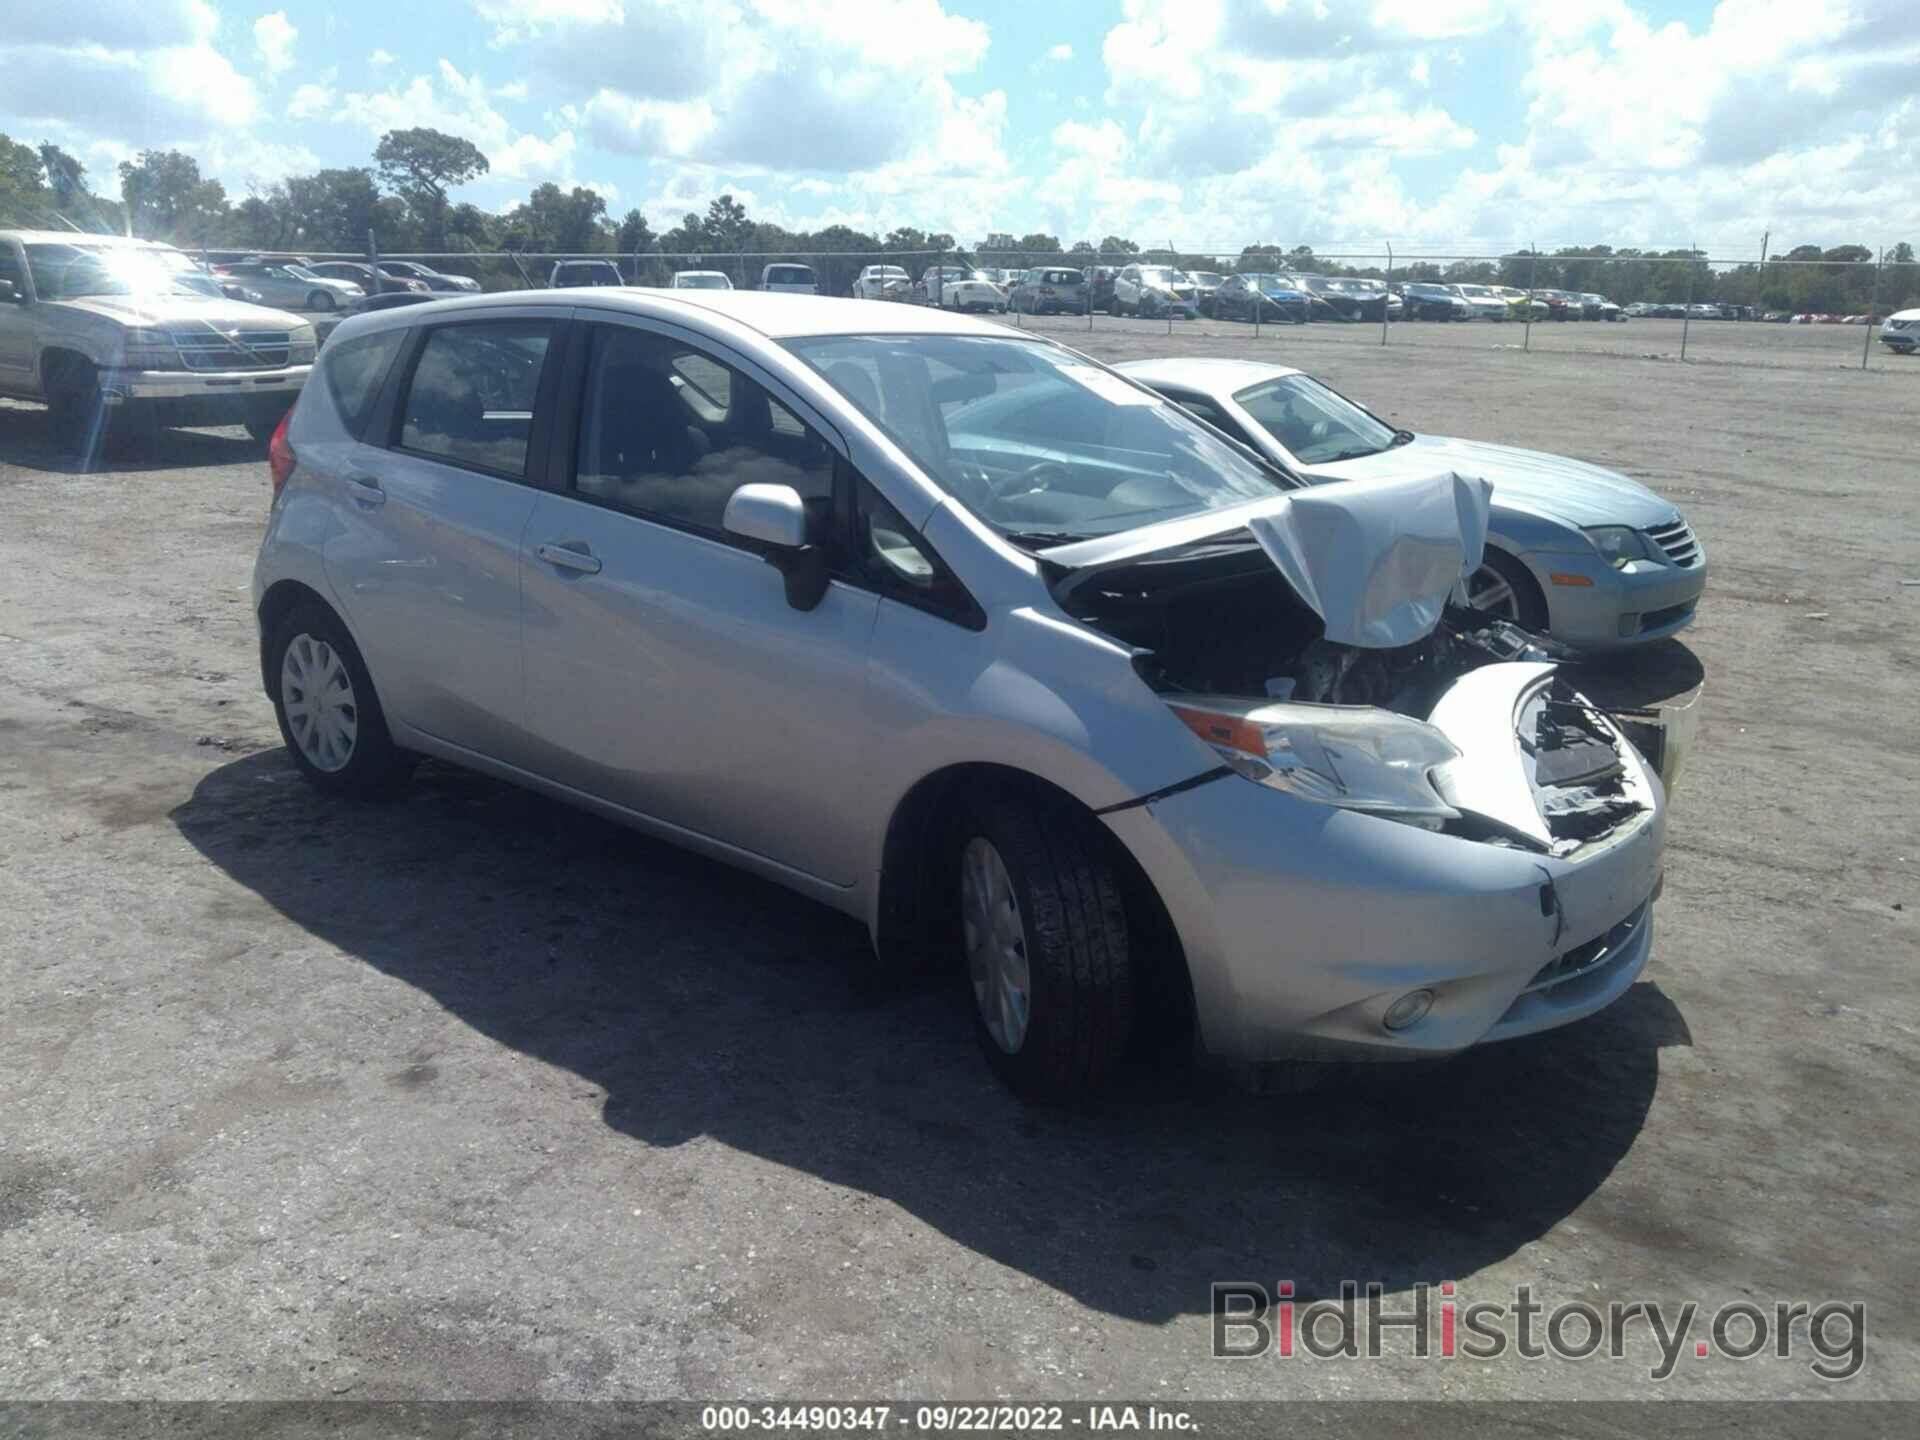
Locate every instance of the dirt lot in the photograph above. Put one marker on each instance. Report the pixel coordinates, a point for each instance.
(472, 1096)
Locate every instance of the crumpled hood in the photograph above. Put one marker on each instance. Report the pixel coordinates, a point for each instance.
(1549, 485)
(183, 311)
(1377, 559)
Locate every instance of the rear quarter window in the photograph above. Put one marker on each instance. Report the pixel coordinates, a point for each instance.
(354, 371)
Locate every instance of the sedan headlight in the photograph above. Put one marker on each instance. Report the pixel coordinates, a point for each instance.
(1352, 756)
(1619, 545)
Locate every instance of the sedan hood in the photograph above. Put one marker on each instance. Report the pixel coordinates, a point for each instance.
(1375, 559)
(187, 311)
(1548, 485)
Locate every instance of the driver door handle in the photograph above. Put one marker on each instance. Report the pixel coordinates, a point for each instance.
(366, 490)
(569, 555)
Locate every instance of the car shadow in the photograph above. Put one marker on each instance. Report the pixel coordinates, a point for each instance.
(27, 441)
(705, 1002)
(1663, 673)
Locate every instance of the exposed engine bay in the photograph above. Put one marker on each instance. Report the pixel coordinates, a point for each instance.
(1218, 619)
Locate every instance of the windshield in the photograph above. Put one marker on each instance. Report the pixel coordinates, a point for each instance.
(1313, 424)
(65, 272)
(702, 282)
(1206, 277)
(1159, 275)
(1039, 443)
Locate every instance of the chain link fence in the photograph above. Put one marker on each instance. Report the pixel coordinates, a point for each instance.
(1679, 303)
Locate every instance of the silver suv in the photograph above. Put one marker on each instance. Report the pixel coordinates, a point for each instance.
(962, 633)
(100, 327)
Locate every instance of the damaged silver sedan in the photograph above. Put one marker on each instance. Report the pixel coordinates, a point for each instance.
(971, 637)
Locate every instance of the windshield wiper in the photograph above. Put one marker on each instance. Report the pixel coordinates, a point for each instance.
(1044, 538)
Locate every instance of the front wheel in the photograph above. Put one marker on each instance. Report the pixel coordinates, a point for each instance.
(75, 410)
(330, 717)
(320, 300)
(1501, 589)
(1044, 929)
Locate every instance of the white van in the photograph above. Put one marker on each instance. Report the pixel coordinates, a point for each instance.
(789, 279)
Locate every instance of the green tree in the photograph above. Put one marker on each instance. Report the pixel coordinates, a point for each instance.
(726, 226)
(421, 165)
(634, 236)
(569, 222)
(1040, 244)
(1118, 245)
(23, 193)
(166, 195)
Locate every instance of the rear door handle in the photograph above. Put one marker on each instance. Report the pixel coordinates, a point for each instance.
(366, 490)
(569, 555)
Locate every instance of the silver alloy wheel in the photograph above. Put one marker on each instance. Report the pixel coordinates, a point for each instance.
(996, 943)
(317, 694)
(1491, 593)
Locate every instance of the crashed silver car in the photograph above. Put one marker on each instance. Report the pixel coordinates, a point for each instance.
(971, 637)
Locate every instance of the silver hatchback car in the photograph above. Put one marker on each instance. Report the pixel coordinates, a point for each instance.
(967, 635)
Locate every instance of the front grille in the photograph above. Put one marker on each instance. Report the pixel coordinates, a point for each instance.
(1678, 541)
(1585, 959)
(249, 350)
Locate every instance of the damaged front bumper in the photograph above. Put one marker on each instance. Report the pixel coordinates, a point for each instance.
(1304, 924)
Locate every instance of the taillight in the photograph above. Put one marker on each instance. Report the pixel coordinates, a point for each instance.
(280, 457)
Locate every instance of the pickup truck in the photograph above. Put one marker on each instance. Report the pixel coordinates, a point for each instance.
(101, 328)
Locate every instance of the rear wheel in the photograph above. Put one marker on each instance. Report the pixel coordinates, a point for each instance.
(75, 410)
(1043, 924)
(329, 715)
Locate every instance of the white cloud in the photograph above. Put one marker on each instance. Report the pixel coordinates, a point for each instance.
(273, 40)
(380, 59)
(310, 102)
(1062, 51)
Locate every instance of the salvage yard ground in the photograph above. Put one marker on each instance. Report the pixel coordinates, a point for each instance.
(471, 1095)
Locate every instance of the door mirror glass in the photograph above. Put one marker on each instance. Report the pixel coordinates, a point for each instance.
(772, 514)
(8, 294)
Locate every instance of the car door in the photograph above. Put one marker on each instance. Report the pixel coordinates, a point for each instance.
(431, 511)
(16, 324)
(666, 671)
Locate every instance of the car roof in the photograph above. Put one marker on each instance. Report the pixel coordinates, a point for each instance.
(1214, 374)
(774, 315)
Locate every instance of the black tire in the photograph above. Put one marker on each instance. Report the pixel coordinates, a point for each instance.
(75, 413)
(1073, 916)
(321, 300)
(375, 767)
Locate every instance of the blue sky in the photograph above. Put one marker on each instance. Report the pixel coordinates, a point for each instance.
(1433, 124)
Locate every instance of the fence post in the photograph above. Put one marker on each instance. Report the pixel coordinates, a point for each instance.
(1386, 305)
(1173, 257)
(1873, 305)
(1533, 274)
(1686, 314)
(373, 259)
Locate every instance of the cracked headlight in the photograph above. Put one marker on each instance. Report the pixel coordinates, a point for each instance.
(1353, 756)
(1619, 545)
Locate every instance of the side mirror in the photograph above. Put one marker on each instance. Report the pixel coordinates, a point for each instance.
(9, 293)
(775, 516)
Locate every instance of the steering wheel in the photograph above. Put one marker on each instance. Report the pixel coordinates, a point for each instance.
(1036, 477)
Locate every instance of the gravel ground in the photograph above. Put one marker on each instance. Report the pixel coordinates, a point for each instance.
(474, 1096)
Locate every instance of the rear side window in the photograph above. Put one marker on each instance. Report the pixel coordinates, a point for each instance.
(790, 275)
(355, 370)
(472, 394)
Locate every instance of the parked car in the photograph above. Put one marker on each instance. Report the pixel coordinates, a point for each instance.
(1100, 286)
(1484, 303)
(1561, 305)
(1205, 282)
(700, 280)
(370, 280)
(954, 287)
(975, 640)
(1702, 311)
(1354, 299)
(1901, 333)
(1051, 289)
(103, 330)
(1595, 560)
(1153, 290)
(1434, 302)
(580, 274)
(787, 278)
(1271, 298)
(1521, 305)
(883, 282)
(435, 281)
(292, 287)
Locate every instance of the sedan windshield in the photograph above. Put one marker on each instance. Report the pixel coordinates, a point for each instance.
(702, 282)
(1041, 444)
(1156, 275)
(1313, 424)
